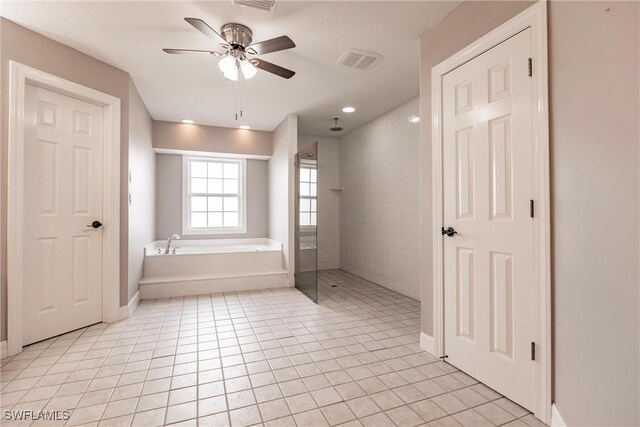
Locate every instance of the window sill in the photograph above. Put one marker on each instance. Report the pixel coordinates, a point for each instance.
(213, 231)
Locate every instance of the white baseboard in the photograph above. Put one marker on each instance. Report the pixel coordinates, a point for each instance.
(4, 350)
(127, 311)
(426, 343)
(133, 303)
(556, 418)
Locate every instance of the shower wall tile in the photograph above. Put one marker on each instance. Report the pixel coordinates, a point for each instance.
(380, 203)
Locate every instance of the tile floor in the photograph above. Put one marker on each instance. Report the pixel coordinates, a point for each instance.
(268, 358)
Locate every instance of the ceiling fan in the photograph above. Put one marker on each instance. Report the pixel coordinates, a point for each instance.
(239, 57)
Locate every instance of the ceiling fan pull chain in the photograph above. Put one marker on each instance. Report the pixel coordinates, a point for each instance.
(241, 78)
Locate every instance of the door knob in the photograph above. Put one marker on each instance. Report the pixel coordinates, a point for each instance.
(95, 224)
(449, 231)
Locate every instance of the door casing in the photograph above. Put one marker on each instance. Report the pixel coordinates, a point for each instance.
(19, 76)
(535, 17)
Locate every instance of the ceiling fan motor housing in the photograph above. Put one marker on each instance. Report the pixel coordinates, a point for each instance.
(237, 35)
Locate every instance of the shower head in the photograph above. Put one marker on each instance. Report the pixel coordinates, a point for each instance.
(335, 127)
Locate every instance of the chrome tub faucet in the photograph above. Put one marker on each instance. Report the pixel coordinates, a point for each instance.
(168, 249)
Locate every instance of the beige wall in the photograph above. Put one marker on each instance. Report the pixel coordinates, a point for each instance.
(281, 189)
(328, 232)
(180, 136)
(594, 139)
(22, 45)
(142, 173)
(169, 199)
(594, 78)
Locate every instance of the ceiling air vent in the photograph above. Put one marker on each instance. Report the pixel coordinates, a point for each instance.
(268, 5)
(359, 59)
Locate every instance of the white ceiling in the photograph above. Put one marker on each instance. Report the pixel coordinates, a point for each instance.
(130, 36)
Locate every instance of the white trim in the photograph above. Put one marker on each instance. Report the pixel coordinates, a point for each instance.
(211, 154)
(535, 17)
(556, 418)
(3, 349)
(426, 343)
(19, 76)
(186, 229)
(133, 303)
(127, 311)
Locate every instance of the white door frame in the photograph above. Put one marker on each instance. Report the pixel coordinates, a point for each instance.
(535, 17)
(19, 76)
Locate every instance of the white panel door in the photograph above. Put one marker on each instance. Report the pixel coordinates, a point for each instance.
(488, 183)
(62, 196)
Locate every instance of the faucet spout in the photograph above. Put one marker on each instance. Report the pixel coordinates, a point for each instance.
(173, 236)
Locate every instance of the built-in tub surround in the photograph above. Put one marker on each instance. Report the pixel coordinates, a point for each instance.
(195, 267)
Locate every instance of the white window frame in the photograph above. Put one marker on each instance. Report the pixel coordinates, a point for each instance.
(309, 227)
(186, 193)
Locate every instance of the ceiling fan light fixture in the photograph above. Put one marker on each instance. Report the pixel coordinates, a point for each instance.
(229, 67)
(248, 69)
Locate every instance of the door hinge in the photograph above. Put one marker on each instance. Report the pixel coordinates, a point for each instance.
(531, 208)
(533, 351)
(530, 67)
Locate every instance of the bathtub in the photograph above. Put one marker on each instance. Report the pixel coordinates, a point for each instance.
(197, 267)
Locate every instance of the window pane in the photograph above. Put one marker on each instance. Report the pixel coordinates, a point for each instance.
(215, 204)
(231, 204)
(313, 175)
(199, 169)
(215, 186)
(304, 219)
(313, 205)
(231, 219)
(313, 219)
(305, 205)
(215, 170)
(199, 204)
(198, 185)
(304, 175)
(231, 171)
(230, 186)
(313, 191)
(198, 219)
(215, 219)
(304, 189)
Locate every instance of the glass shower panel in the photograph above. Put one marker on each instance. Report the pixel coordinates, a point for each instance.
(306, 261)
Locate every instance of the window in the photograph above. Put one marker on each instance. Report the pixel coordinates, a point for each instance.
(308, 196)
(214, 200)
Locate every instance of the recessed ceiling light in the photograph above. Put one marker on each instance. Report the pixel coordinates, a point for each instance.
(245, 127)
(348, 109)
(187, 121)
(414, 119)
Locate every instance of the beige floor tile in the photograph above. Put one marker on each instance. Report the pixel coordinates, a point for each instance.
(217, 420)
(184, 411)
(313, 418)
(245, 416)
(404, 416)
(274, 409)
(252, 358)
(338, 413)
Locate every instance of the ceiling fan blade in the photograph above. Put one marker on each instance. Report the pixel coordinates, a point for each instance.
(180, 51)
(272, 68)
(205, 29)
(272, 45)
